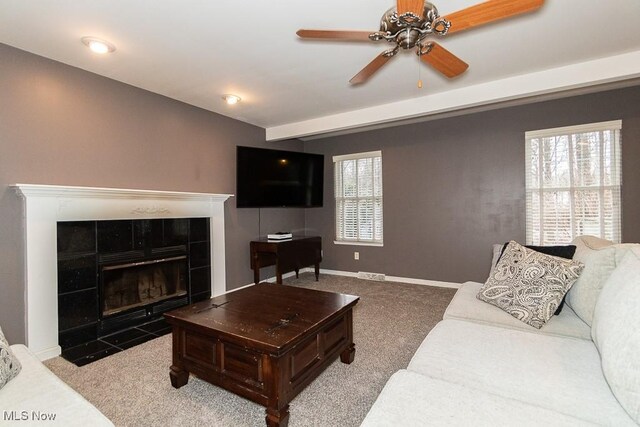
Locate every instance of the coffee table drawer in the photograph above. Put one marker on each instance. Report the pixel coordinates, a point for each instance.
(241, 364)
(199, 349)
(335, 335)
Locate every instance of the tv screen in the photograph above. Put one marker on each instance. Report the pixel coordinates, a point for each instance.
(276, 178)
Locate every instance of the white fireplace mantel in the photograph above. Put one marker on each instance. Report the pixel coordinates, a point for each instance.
(45, 205)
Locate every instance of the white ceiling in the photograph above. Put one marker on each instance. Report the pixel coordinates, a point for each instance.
(197, 50)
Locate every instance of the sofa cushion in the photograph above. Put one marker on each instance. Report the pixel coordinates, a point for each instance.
(616, 332)
(410, 399)
(37, 390)
(557, 373)
(9, 364)
(599, 262)
(528, 284)
(466, 306)
(623, 248)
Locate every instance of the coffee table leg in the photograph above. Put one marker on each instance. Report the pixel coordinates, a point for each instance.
(179, 377)
(277, 417)
(348, 354)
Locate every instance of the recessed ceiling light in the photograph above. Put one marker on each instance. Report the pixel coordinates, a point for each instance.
(231, 99)
(98, 45)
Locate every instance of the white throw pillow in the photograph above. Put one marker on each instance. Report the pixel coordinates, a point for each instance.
(622, 249)
(529, 285)
(598, 266)
(616, 332)
(9, 365)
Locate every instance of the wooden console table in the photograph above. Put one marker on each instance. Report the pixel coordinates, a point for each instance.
(288, 255)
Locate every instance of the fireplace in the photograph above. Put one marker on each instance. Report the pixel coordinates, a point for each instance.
(45, 206)
(119, 275)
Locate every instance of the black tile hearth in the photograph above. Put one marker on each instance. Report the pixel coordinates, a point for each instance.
(125, 336)
(90, 358)
(159, 327)
(95, 350)
(143, 339)
(83, 351)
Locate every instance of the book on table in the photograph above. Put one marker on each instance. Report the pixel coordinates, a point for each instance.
(279, 236)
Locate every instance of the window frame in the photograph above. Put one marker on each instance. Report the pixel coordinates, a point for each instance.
(539, 188)
(341, 240)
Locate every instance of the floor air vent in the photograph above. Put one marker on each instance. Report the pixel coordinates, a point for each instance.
(379, 277)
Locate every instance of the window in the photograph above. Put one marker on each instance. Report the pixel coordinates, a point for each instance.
(358, 191)
(573, 183)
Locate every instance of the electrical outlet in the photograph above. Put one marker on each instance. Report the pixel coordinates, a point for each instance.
(356, 255)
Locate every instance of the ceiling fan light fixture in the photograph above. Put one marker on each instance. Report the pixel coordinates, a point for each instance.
(98, 46)
(231, 99)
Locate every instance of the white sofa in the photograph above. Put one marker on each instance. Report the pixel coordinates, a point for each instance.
(479, 366)
(37, 396)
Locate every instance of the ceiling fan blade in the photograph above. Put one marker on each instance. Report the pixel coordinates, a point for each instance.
(335, 35)
(414, 6)
(371, 68)
(444, 61)
(489, 11)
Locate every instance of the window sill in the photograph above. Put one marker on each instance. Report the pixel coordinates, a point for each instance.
(347, 242)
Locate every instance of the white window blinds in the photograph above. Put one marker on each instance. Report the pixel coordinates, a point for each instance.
(573, 183)
(358, 192)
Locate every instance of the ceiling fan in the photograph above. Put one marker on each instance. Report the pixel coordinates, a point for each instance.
(410, 24)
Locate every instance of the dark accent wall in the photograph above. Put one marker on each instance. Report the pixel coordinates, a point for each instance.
(65, 126)
(455, 186)
(452, 187)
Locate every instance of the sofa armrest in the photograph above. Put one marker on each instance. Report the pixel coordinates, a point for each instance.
(36, 393)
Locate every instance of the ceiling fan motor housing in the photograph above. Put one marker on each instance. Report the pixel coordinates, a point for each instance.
(408, 28)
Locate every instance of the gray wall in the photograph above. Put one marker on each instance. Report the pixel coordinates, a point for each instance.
(453, 187)
(65, 126)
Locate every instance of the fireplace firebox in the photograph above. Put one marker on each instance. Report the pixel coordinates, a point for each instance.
(117, 277)
(136, 284)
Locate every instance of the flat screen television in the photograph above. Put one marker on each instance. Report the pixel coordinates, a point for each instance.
(275, 178)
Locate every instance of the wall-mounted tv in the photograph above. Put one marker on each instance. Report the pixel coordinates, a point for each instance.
(275, 178)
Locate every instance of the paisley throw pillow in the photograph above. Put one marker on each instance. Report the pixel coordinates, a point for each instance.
(9, 365)
(529, 285)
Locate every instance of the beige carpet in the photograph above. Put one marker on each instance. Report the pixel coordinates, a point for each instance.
(132, 387)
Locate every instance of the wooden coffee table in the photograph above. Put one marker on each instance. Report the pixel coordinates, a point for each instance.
(265, 342)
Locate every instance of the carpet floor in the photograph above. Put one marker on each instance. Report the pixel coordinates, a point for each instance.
(132, 388)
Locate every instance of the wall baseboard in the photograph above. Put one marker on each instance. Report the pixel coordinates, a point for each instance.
(397, 279)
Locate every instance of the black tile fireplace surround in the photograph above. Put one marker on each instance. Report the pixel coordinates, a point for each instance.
(117, 277)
